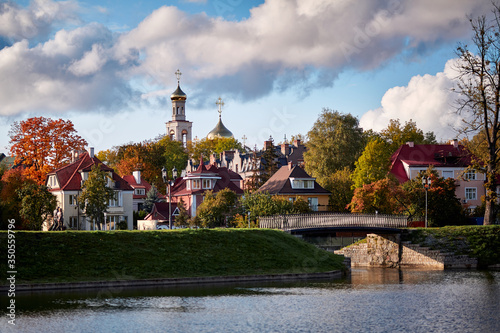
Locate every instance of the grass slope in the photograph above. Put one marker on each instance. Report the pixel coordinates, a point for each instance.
(120, 255)
(481, 242)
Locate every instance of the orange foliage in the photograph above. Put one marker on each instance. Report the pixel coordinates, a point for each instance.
(128, 165)
(43, 144)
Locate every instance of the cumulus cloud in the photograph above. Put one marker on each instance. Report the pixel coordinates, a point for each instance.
(283, 44)
(19, 23)
(429, 100)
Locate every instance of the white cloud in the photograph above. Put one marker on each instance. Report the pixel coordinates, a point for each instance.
(428, 100)
(25, 23)
(283, 44)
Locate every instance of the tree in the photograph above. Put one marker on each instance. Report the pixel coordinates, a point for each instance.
(264, 204)
(396, 135)
(206, 147)
(95, 196)
(335, 142)
(182, 219)
(217, 210)
(373, 164)
(340, 185)
(12, 180)
(43, 144)
(479, 88)
(384, 196)
(151, 197)
(37, 203)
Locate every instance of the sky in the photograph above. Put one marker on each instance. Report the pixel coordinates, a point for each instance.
(108, 66)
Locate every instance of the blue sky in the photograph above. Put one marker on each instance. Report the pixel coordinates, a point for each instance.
(109, 65)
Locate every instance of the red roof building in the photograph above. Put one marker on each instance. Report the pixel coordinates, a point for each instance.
(192, 187)
(449, 161)
(140, 186)
(66, 184)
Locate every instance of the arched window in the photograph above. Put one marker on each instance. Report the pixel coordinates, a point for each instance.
(172, 135)
(184, 138)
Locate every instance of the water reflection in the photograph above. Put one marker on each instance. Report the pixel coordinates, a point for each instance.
(371, 300)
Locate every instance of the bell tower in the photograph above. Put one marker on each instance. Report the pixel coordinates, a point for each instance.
(179, 129)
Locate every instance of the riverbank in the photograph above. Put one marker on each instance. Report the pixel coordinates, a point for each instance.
(480, 242)
(79, 256)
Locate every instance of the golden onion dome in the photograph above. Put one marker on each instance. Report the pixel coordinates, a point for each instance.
(178, 94)
(219, 131)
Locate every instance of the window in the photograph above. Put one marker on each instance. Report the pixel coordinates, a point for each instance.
(52, 182)
(470, 193)
(73, 200)
(291, 199)
(313, 203)
(196, 184)
(140, 191)
(302, 183)
(73, 222)
(206, 184)
(470, 175)
(188, 184)
(117, 201)
(447, 174)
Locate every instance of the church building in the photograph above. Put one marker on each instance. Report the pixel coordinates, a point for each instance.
(179, 129)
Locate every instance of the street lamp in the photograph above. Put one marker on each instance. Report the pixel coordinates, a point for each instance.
(426, 183)
(170, 183)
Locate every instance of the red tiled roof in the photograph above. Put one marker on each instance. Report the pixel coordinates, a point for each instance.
(130, 179)
(426, 155)
(70, 179)
(160, 211)
(227, 179)
(279, 183)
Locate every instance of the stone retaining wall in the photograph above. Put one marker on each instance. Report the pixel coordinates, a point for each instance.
(389, 251)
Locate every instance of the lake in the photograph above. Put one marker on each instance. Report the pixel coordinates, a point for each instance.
(371, 300)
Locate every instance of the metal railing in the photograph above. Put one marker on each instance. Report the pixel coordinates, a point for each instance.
(325, 220)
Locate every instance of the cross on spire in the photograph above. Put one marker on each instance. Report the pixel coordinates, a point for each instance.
(178, 75)
(244, 138)
(220, 103)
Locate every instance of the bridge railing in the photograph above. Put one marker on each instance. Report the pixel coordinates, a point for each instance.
(305, 221)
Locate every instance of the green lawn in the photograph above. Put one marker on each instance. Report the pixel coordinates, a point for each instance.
(68, 256)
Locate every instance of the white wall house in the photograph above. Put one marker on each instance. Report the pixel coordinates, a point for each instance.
(66, 184)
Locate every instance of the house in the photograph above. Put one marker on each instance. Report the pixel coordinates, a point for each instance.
(194, 184)
(292, 182)
(449, 161)
(141, 188)
(158, 216)
(66, 184)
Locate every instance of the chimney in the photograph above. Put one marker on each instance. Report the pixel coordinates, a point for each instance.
(290, 166)
(137, 176)
(454, 142)
(411, 144)
(296, 142)
(91, 152)
(284, 148)
(268, 144)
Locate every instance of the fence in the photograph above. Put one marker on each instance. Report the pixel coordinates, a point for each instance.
(305, 221)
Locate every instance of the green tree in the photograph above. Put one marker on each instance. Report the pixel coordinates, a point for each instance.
(95, 196)
(264, 204)
(396, 135)
(37, 203)
(335, 142)
(182, 219)
(206, 147)
(373, 164)
(301, 206)
(479, 88)
(340, 185)
(217, 210)
(151, 197)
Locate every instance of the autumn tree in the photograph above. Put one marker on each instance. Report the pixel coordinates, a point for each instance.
(95, 196)
(217, 209)
(335, 142)
(10, 204)
(37, 203)
(43, 144)
(479, 101)
(384, 196)
(373, 164)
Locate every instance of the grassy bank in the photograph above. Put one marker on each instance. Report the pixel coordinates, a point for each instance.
(481, 242)
(70, 256)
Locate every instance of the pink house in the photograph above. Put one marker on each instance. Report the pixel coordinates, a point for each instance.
(450, 161)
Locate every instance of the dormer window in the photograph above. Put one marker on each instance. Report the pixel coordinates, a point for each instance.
(196, 184)
(302, 183)
(207, 184)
